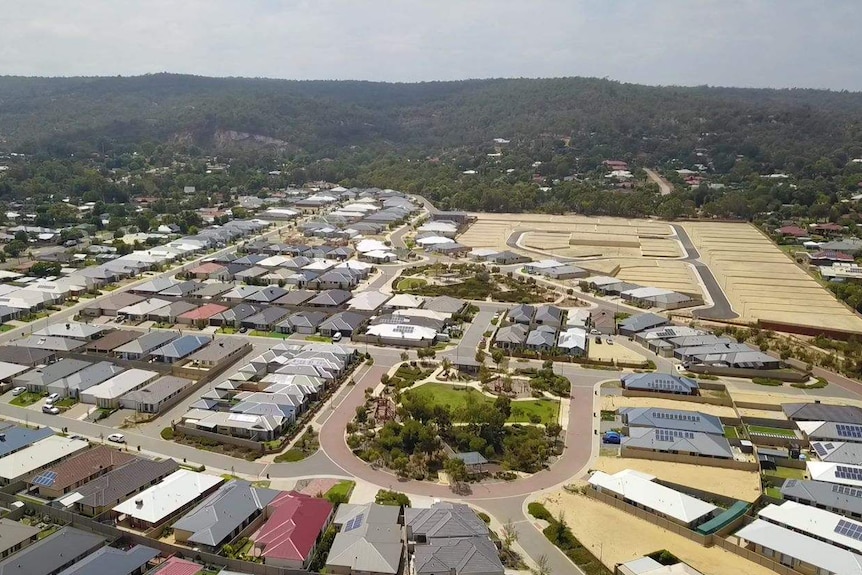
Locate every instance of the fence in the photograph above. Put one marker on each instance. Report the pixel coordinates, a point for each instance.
(689, 459)
(707, 400)
(753, 556)
(779, 374)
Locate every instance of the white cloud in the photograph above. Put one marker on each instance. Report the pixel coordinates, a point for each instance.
(764, 43)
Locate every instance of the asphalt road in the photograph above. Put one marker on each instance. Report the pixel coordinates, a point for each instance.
(721, 308)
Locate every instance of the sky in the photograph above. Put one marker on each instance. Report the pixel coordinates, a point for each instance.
(747, 43)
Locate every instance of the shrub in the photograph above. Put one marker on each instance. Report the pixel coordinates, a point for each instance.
(167, 433)
(484, 517)
(539, 511)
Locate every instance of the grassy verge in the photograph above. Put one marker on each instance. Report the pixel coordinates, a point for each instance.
(318, 338)
(767, 381)
(819, 384)
(6, 327)
(66, 402)
(26, 398)
(411, 283)
(340, 492)
(788, 473)
(257, 333)
(731, 432)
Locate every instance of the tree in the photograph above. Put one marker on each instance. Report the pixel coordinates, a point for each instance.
(22, 236)
(45, 269)
(456, 469)
(14, 248)
(553, 430)
(387, 497)
(497, 356)
(509, 534)
(542, 566)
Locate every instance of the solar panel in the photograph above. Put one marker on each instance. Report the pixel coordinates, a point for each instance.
(354, 523)
(844, 472)
(46, 479)
(849, 491)
(852, 530)
(844, 430)
(821, 451)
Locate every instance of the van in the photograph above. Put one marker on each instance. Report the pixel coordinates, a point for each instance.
(336, 336)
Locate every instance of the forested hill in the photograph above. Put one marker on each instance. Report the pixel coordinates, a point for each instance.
(781, 127)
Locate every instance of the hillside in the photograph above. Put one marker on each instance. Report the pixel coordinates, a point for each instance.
(779, 127)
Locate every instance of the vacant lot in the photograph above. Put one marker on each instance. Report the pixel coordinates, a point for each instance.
(742, 485)
(547, 410)
(618, 537)
(617, 401)
(668, 274)
(764, 283)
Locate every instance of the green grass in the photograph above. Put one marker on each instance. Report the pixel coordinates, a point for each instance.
(762, 430)
(6, 327)
(773, 492)
(318, 338)
(768, 381)
(66, 402)
(731, 432)
(341, 489)
(290, 456)
(257, 333)
(262, 484)
(228, 330)
(788, 473)
(26, 398)
(547, 410)
(819, 384)
(411, 283)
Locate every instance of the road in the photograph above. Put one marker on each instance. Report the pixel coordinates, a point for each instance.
(664, 186)
(721, 307)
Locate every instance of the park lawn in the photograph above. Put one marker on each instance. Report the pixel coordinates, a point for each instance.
(342, 488)
(411, 283)
(26, 398)
(759, 429)
(456, 400)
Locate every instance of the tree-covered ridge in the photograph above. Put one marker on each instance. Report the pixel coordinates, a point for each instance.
(783, 128)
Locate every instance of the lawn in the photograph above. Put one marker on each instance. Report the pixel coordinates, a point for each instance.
(341, 489)
(258, 333)
(318, 338)
(547, 410)
(773, 492)
(788, 473)
(26, 398)
(411, 283)
(6, 327)
(760, 430)
(66, 402)
(731, 432)
(226, 330)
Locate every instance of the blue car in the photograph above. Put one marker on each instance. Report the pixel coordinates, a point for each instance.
(612, 437)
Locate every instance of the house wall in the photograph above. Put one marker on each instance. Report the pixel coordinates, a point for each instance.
(689, 459)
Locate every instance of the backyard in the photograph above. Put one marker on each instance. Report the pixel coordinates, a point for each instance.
(528, 411)
(771, 431)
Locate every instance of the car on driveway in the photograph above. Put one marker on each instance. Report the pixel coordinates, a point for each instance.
(52, 398)
(18, 391)
(50, 409)
(612, 437)
(117, 438)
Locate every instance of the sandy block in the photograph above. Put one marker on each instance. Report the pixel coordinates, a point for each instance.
(614, 402)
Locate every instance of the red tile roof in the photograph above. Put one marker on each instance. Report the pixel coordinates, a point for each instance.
(207, 268)
(794, 231)
(206, 311)
(177, 566)
(833, 256)
(292, 530)
(830, 227)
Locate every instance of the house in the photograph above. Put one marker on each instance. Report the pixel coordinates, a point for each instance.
(662, 418)
(330, 298)
(458, 556)
(16, 438)
(180, 348)
(660, 383)
(838, 499)
(161, 502)
(549, 315)
(240, 293)
(345, 323)
(181, 289)
(266, 318)
(637, 323)
(52, 554)
(822, 412)
(72, 385)
(511, 336)
(334, 279)
(106, 491)
(266, 295)
(573, 341)
(254, 427)
(112, 340)
(75, 330)
(142, 310)
(691, 443)
(170, 312)
(295, 297)
(542, 339)
(797, 550)
(154, 286)
(846, 474)
(507, 257)
(31, 357)
(304, 322)
(50, 343)
(830, 431)
(201, 316)
(641, 490)
(402, 334)
(210, 290)
(41, 454)
(792, 232)
(15, 535)
(837, 451)
(141, 348)
(368, 301)
(37, 380)
(210, 271)
(441, 520)
(445, 304)
(451, 249)
(223, 515)
(818, 523)
(156, 396)
(482, 254)
(9, 371)
(291, 534)
(106, 395)
(404, 301)
(369, 542)
(234, 316)
(176, 566)
(565, 272)
(522, 314)
(133, 561)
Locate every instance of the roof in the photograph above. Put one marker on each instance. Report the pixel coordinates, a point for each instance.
(148, 342)
(724, 518)
(207, 268)
(8, 370)
(402, 331)
(843, 474)
(70, 329)
(117, 484)
(837, 451)
(405, 300)
(113, 340)
(182, 346)
(174, 309)
(14, 437)
(818, 523)
(372, 513)
(692, 442)
(573, 338)
(292, 530)
(218, 349)
(177, 566)
(295, 297)
(86, 378)
(346, 320)
(672, 419)
(159, 390)
(444, 304)
(802, 547)
(824, 495)
(368, 300)
(38, 455)
(14, 533)
(372, 548)
(112, 560)
(638, 323)
(662, 382)
(462, 556)
(155, 285)
(822, 412)
(331, 297)
(52, 343)
(642, 490)
(51, 372)
(215, 518)
(516, 333)
(174, 492)
(444, 520)
(120, 384)
(471, 458)
(26, 356)
(542, 335)
(145, 307)
(116, 301)
(80, 467)
(205, 311)
(267, 316)
(51, 553)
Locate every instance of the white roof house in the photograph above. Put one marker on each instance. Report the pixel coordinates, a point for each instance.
(424, 313)
(644, 292)
(368, 300)
(573, 338)
(366, 245)
(642, 490)
(434, 240)
(162, 500)
(143, 308)
(70, 329)
(818, 523)
(801, 547)
(107, 393)
(842, 474)
(440, 228)
(405, 301)
(39, 455)
(401, 331)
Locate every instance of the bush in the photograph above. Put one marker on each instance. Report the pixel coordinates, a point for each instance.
(539, 511)
(386, 497)
(290, 456)
(768, 381)
(484, 517)
(167, 433)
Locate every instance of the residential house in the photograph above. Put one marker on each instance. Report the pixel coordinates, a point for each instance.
(346, 323)
(74, 384)
(112, 341)
(304, 322)
(369, 542)
(15, 535)
(295, 298)
(330, 298)
(201, 316)
(210, 271)
(660, 383)
(541, 339)
(234, 316)
(106, 395)
(52, 554)
(106, 491)
(39, 455)
(78, 470)
(522, 314)
(265, 319)
(573, 341)
(180, 348)
(132, 561)
(156, 396)
(141, 348)
(511, 337)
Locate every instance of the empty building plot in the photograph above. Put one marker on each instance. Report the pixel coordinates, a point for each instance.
(762, 283)
(673, 275)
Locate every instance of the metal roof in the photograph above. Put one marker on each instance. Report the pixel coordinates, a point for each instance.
(182, 346)
(462, 556)
(148, 342)
(48, 555)
(662, 418)
(81, 467)
(114, 486)
(51, 373)
(443, 520)
(13, 437)
(824, 495)
(113, 561)
(638, 323)
(672, 440)
(660, 382)
(823, 412)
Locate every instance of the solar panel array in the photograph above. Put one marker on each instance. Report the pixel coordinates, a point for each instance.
(354, 523)
(46, 479)
(844, 472)
(403, 329)
(829, 446)
(675, 416)
(671, 434)
(664, 384)
(821, 451)
(845, 430)
(849, 491)
(851, 530)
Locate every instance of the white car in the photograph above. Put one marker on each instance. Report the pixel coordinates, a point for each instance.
(50, 409)
(117, 438)
(52, 398)
(18, 390)
(336, 336)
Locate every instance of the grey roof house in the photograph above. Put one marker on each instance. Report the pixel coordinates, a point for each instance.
(369, 542)
(180, 348)
(638, 323)
(105, 492)
(72, 385)
(305, 322)
(442, 520)
(109, 560)
(38, 379)
(521, 313)
(265, 319)
(680, 442)
(511, 336)
(142, 347)
(839, 499)
(671, 419)
(660, 383)
(52, 554)
(235, 315)
(345, 322)
(14, 536)
(549, 315)
(460, 556)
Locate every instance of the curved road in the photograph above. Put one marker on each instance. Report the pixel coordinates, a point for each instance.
(721, 308)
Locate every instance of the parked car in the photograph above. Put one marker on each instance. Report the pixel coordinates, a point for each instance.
(594, 331)
(52, 398)
(610, 341)
(336, 336)
(50, 409)
(117, 438)
(18, 390)
(612, 437)
(243, 329)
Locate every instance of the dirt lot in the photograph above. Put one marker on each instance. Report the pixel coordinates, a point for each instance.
(618, 537)
(608, 352)
(668, 274)
(766, 283)
(742, 485)
(616, 402)
(779, 398)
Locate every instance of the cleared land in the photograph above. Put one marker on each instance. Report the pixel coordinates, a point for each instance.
(668, 274)
(742, 485)
(762, 282)
(618, 537)
(612, 402)
(779, 398)
(614, 352)
(548, 410)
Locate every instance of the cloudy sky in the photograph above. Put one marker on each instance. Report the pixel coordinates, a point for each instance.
(776, 43)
